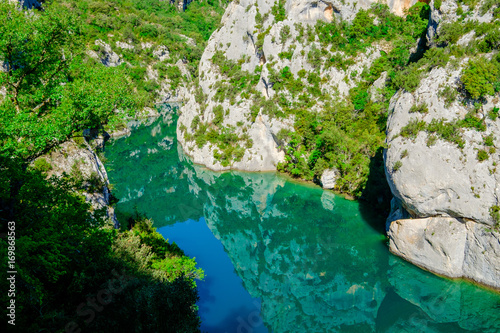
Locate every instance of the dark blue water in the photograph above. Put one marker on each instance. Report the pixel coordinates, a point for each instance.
(221, 286)
(282, 256)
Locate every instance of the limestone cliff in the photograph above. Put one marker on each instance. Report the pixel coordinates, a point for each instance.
(441, 160)
(262, 38)
(80, 161)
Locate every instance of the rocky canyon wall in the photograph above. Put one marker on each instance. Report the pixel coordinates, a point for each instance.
(441, 163)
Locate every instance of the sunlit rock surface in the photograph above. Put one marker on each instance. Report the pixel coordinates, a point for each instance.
(446, 187)
(237, 40)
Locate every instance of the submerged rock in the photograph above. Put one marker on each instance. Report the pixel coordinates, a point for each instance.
(449, 247)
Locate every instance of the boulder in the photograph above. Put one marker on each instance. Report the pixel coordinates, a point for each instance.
(450, 247)
(328, 178)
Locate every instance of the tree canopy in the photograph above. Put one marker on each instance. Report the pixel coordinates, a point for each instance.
(52, 89)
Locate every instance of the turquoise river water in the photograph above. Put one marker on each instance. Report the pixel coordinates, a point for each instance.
(280, 256)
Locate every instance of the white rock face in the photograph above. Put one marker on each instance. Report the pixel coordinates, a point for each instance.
(166, 94)
(446, 186)
(447, 246)
(442, 179)
(106, 55)
(447, 13)
(437, 244)
(146, 45)
(328, 178)
(161, 52)
(237, 39)
(123, 45)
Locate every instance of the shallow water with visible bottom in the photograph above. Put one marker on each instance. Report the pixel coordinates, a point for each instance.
(281, 256)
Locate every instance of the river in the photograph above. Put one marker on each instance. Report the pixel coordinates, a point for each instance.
(283, 256)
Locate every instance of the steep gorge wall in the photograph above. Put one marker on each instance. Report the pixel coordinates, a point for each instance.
(255, 38)
(441, 165)
(442, 185)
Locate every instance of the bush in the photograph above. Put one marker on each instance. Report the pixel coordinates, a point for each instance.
(218, 115)
(195, 122)
(422, 108)
(431, 140)
(412, 129)
(478, 78)
(450, 33)
(278, 10)
(495, 215)
(397, 166)
(42, 165)
(284, 34)
(488, 140)
(175, 76)
(137, 73)
(447, 131)
(493, 114)
(408, 79)
(471, 121)
(448, 94)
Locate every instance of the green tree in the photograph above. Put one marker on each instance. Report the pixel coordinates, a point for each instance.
(52, 89)
(64, 250)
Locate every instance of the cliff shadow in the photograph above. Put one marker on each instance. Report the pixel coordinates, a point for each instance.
(375, 201)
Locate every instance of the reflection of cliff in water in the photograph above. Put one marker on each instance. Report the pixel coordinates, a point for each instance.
(458, 306)
(293, 247)
(152, 178)
(318, 267)
(307, 254)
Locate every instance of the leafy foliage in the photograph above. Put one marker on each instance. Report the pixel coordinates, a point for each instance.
(278, 10)
(50, 85)
(479, 76)
(67, 253)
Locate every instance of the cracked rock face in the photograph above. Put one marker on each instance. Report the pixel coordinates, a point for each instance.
(237, 39)
(446, 186)
(106, 54)
(328, 178)
(82, 162)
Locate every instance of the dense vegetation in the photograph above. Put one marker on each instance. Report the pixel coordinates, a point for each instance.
(135, 29)
(74, 270)
(347, 134)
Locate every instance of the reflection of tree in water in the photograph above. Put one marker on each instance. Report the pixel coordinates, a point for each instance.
(308, 254)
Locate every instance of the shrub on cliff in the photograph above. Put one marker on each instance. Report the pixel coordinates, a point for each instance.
(479, 76)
